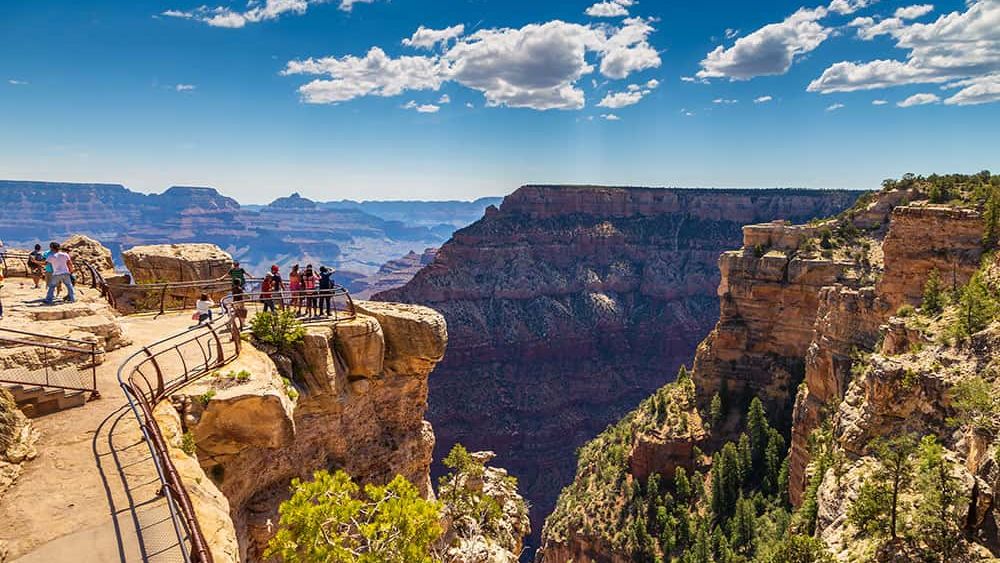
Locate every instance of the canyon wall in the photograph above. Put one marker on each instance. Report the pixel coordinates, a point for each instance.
(568, 305)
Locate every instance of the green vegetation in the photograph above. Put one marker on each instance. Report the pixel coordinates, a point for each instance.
(978, 404)
(290, 389)
(934, 298)
(330, 519)
(206, 397)
(280, 329)
(976, 308)
(911, 498)
(188, 444)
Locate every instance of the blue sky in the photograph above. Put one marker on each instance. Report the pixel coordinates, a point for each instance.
(263, 99)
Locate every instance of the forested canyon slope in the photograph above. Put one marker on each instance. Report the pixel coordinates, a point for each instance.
(843, 407)
(569, 305)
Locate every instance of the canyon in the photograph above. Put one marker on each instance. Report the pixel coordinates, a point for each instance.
(825, 323)
(568, 305)
(357, 238)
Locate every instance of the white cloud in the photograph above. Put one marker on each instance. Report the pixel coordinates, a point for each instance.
(979, 90)
(470, 105)
(845, 7)
(879, 102)
(770, 50)
(731, 33)
(537, 66)
(834, 107)
(425, 38)
(421, 108)
(609, 9)
(444, 99)
(185, 87)
(762, 99)
(919, 100)
(687, 113)
(222, 16)
(652, 84)
(610, 117)
(955, 48)
(724, 101)
(15, 82)
(634, 94)
(375, 74)
(913, 12)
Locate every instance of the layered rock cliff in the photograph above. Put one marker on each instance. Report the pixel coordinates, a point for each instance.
(818, 322)
(569, 305)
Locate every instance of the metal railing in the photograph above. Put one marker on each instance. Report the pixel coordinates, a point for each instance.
(152, 374)
(18, 263)
(67, 363)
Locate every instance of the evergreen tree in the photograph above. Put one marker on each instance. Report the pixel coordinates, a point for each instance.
(682, 486)
(936, 518)
(757, 428)
(991, 217)
(773, 455)
(743, 527)
(976, 307)
(725, 481)
(715, 410)
(877, 508)
(933, 302)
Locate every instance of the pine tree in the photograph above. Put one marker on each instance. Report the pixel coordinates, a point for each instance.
(877, 508)
(976, 307)
(933, 302)
(715, 410)
(936, 519)
(757, 427)
(773, 455)
(682, 486)
(991, 217)
(743, 527)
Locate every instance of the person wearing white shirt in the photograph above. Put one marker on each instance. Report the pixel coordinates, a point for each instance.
(204, 307)
(62, 273)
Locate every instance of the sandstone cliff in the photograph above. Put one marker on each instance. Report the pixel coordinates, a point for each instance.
(807, 318)
(568, 305)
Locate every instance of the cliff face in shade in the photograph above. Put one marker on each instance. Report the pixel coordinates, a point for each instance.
(568, 305)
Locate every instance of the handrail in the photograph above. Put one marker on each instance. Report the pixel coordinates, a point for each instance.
(90, 273)
(217, 348)
(58, 344)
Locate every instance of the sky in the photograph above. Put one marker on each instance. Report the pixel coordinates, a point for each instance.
(457, 99)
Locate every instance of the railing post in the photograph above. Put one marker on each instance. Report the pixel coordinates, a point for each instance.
(163, 297)
(159, 374)
(218, 345)
(93, 371)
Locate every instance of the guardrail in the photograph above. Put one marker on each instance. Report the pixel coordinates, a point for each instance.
(160, 369)
(85, 272)
(71, 364)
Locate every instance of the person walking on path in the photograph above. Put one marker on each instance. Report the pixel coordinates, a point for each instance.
(62, 273)
(36, 265)
(325, 290)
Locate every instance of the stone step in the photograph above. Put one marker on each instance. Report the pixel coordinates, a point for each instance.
(35, 401)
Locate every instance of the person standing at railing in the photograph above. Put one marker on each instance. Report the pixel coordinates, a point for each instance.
(309, 288)
(278, 285)
(295, 286)
(36, 265)
(238, 276)
(62, 273)
(325, 290)
(266, 293)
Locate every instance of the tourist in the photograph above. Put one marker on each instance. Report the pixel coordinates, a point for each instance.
(203, 308)
(238, 277)
(295, 286)
(36, 265)
(278, 285)
(62, 273)
(325, 290)
(266, 295)
(309, 287)
(48, 271)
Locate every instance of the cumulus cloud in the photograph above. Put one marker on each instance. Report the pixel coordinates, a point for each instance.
(15, 82)
(870, 27)
(913, 12)
(537, 66)
(879, 102)
(426, 38)
(610, 117)
(919, 100)
(634, 94)
(959, 48)
(609, 9)
(770, 50)
(185, 87)
(762, 100)
(421, 108)
(257, 11)
(834, 107)
(979, 90)
(844, 7)
(375, 74)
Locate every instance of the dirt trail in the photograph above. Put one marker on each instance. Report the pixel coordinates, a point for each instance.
(91, 494)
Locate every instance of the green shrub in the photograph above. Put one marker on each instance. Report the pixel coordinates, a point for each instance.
(206, 397)
(332, 519)
(933, 302)
(188, 444)
(281, 329)
(906, 311)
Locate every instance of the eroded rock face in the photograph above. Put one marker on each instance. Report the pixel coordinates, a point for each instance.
(17, 441)
(84, 248)
(346, 410)
(569, 305)
(177, 262)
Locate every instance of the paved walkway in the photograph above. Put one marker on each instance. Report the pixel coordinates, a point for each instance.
(91, 494)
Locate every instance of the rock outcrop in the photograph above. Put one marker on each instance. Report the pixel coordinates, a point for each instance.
(353, 397)
(17, 441)
(84, 248)
(568, 305)
(177, 262)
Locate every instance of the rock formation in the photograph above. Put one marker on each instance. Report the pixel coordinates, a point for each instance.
(568, 305)
(351, 397)
(808, 324)
(392, 274)
(177, 262)
(88, 250)
(17, 439)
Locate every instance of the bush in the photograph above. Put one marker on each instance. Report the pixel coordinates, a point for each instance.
(331, 519)
(280, 329)
(976, 307)
(933, 302)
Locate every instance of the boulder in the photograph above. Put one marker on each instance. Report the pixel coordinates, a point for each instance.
(177, 262)
(83, 248)
(415, 336)
(361, 344)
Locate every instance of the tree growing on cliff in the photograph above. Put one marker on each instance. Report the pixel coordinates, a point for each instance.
(280, 328)
(933, 302)
(976, 307)
(876, 510)
(936, 517)
(331, 519)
